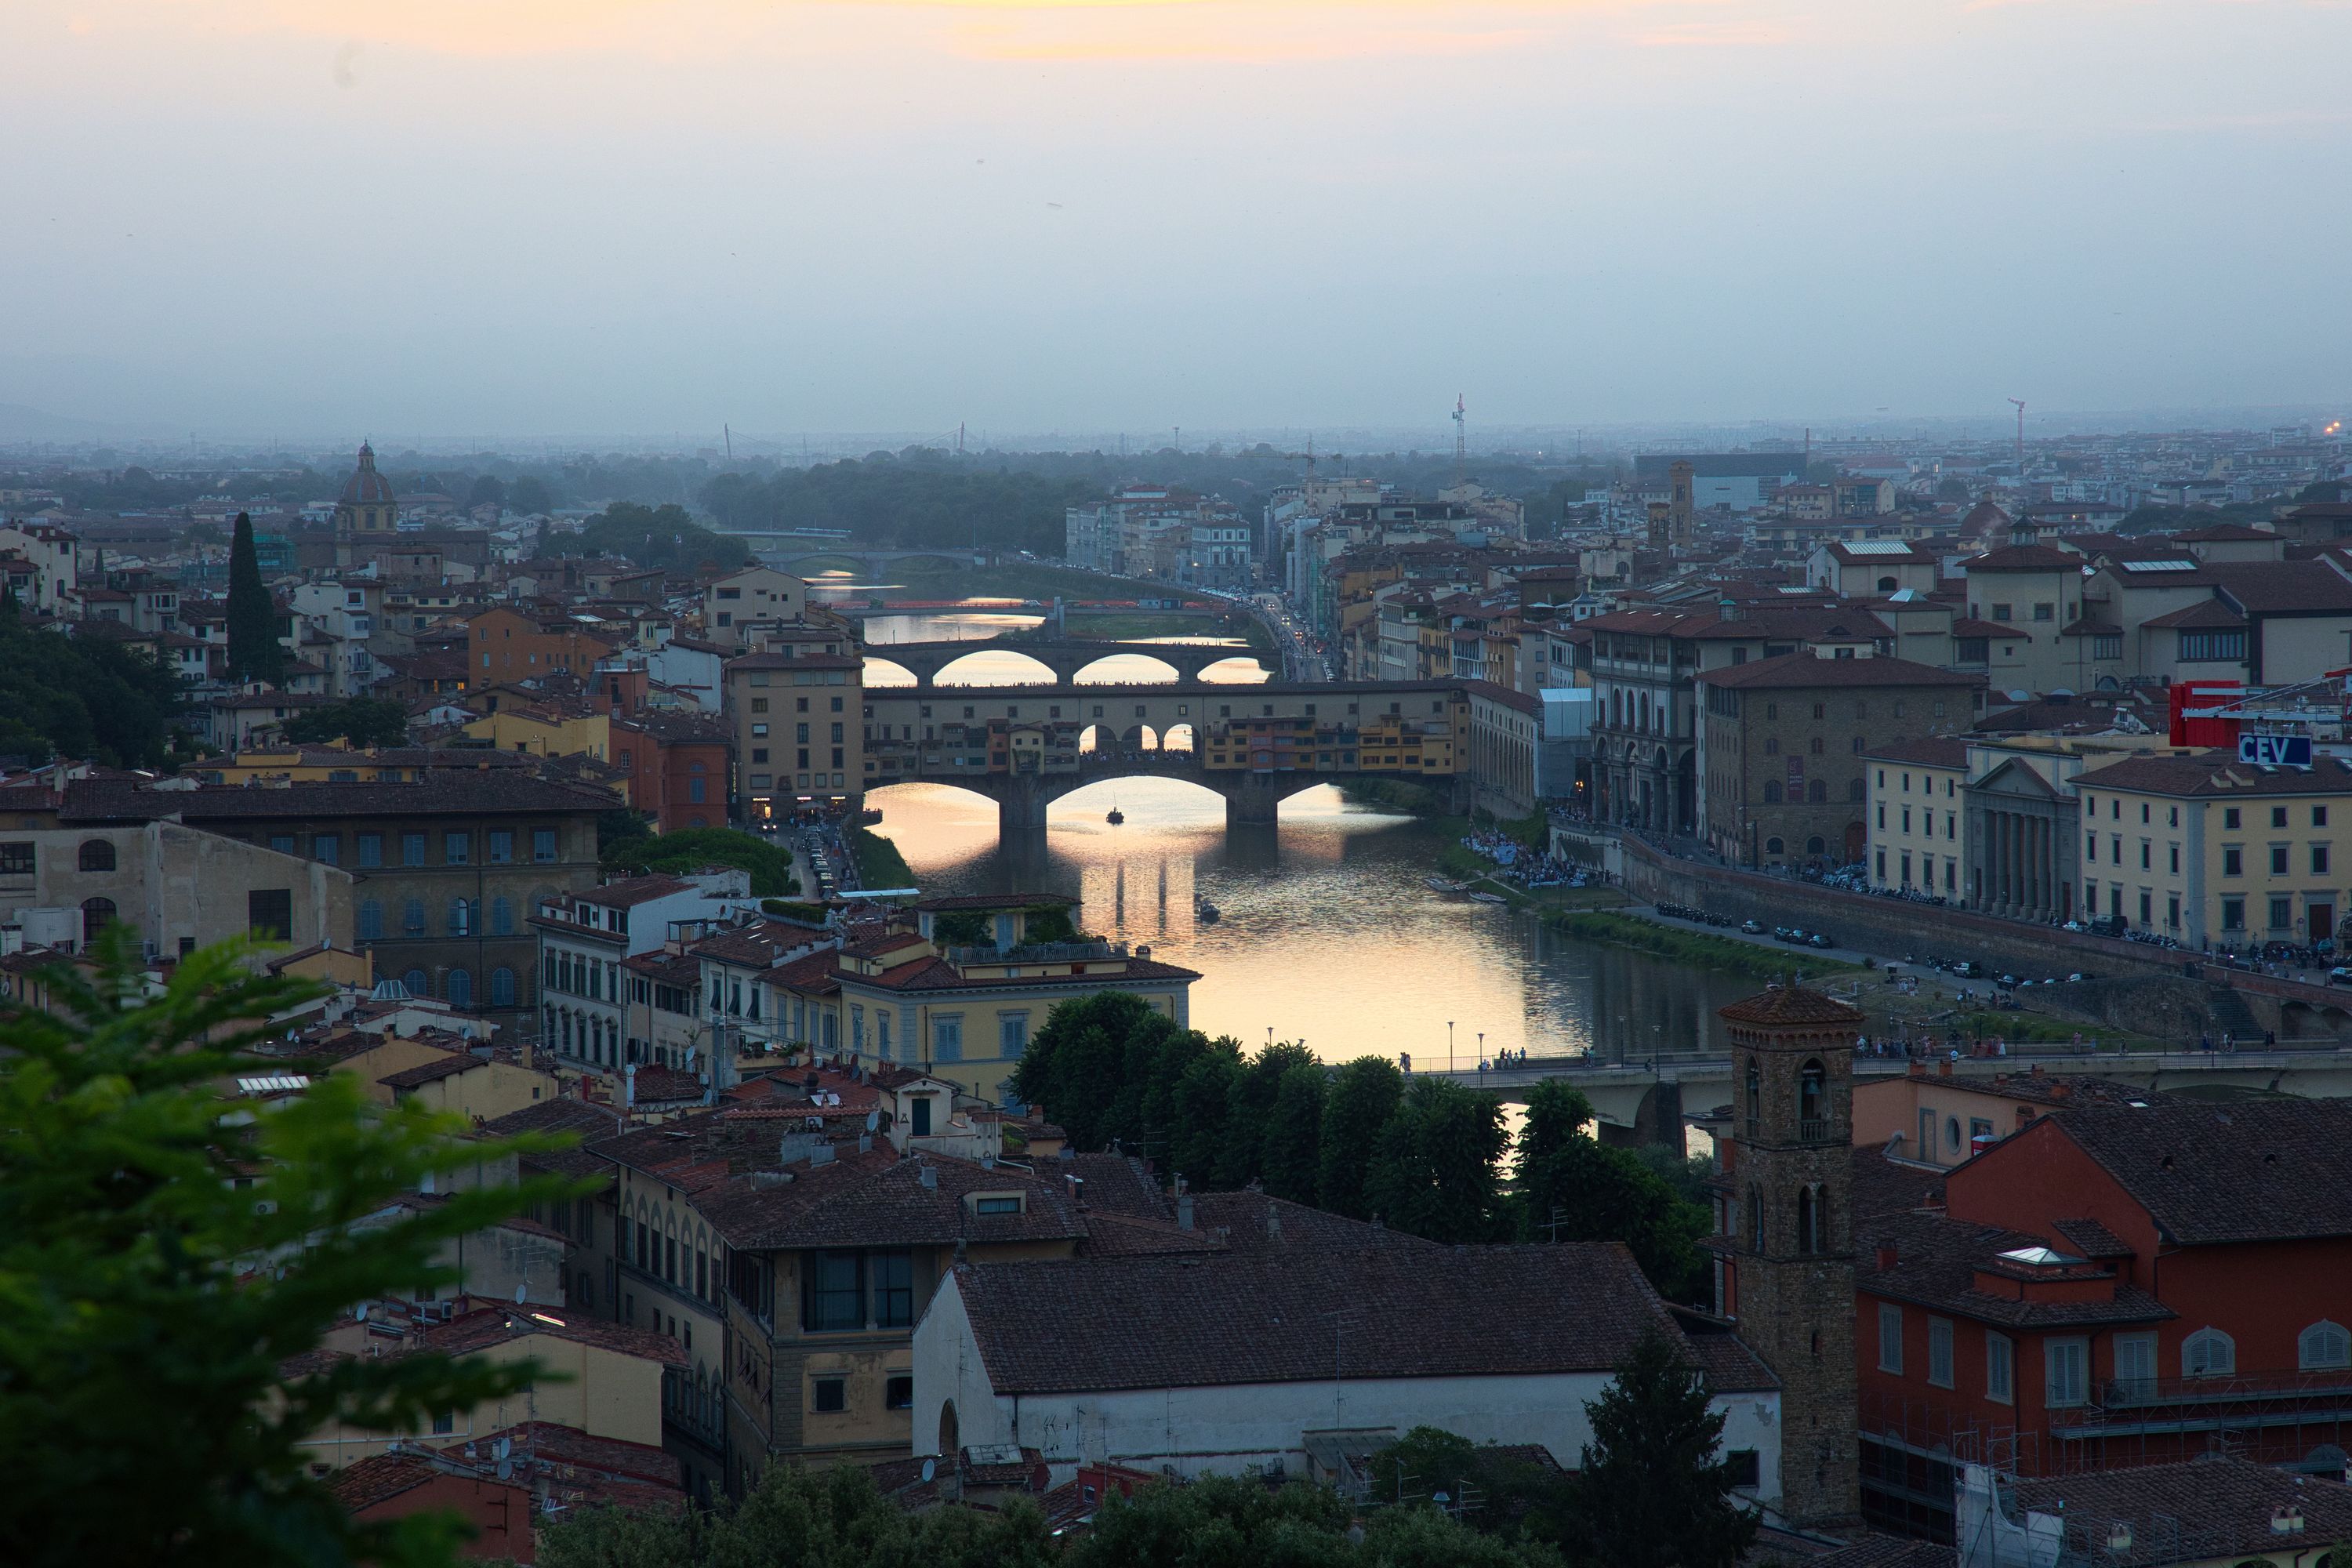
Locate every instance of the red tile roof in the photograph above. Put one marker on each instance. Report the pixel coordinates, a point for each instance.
(1790, 1005)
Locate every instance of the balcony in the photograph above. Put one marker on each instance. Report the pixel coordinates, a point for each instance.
(2148, 1406)
(1814, 1130)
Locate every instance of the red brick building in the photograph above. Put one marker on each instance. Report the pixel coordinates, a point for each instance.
(676, 767)
(2115, 1285)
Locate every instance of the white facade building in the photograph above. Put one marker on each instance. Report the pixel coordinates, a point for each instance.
(583, 937)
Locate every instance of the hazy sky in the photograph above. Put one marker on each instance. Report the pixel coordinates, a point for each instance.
(552, 217)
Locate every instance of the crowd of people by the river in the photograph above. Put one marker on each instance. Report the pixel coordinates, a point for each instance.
(1522, 867)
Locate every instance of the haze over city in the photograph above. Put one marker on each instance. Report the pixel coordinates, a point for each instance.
(304, 218)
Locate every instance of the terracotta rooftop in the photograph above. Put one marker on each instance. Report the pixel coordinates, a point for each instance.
(1790, 1004)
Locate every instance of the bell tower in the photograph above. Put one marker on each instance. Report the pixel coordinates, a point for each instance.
(366, 514)
(1788, 1233)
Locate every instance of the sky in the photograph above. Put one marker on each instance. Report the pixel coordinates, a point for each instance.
(534, 218)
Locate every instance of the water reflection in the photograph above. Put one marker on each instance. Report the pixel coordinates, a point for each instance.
(1329, 932)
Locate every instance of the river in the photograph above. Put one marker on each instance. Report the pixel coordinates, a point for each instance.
(1329, 932)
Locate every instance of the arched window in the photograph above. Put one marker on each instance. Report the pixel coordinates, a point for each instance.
(417, 984)
(2208, 1352)
(1818, 791)
(1755, 1219)
(1886, 584)
(502, 916)
(461, 917)
(1855, 790)
(1813, 1101)
(1771, 846)
(503, 989)
(1816, 845)
(1755, 1089)
(412, 918)
(1771, 745)
(371, 919)
(1771, 792)
(460, 988)
(1808, 1220)
(2322, 1345)
(97, 914)
(96, 855)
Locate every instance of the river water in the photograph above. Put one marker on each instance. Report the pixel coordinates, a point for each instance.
(1329, 932)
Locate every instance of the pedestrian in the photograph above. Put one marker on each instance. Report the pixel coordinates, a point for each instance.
(2270, 1038)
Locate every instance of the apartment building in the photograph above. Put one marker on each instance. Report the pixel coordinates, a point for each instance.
(2218, 853)
(734, 608)
(1918, 807)
(799, 729)
(585, 938)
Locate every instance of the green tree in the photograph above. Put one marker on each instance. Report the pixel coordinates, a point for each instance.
(362, 720)
(665, 536)
(161, 1258)
(1072, 1065)
(833, 1518)
(530, 496)
(692, 848)
(1573, 1187)
(2321, 490)
(1515, 1496)
(1435, 1171)
(1202, 1110)
(254, 651)
(488, 489)
(81, 697)
(1290, 1152)
(1244, 1157)
(1362, 1097)
(1219, 1522)
(1652, 1491)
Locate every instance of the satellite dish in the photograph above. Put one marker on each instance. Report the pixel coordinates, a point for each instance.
(506, 1469)
(502, 1448)
(931, 1469)
(360, 1312)
(872, 1119)
(521, 1295)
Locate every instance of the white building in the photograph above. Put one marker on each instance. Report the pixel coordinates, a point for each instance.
(583, 937)
(1230, 1364)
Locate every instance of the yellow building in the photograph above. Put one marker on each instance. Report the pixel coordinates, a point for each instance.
(799, 715)
(544, 733)
(1384, 742)
(2218, 853)
(1918, 813)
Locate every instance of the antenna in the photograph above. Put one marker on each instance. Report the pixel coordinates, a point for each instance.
(2020, 438)
(1461, 442)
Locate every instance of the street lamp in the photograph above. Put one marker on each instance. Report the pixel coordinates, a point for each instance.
(1449, 1045)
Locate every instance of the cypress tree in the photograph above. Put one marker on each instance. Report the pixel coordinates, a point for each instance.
(254, 653)
(1652, 1489)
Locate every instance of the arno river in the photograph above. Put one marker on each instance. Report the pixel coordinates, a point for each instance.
(1328, 933)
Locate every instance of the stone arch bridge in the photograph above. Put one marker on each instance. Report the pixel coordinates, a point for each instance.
(1068, 657)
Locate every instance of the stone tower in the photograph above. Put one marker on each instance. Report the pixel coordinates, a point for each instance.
(1681, 509)
(1788, 1246)
(367, 513)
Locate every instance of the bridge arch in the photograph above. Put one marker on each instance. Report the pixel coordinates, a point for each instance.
(889, 671)
(1127, 675)
(1178, 738)
(995, 669)
(1141, 739)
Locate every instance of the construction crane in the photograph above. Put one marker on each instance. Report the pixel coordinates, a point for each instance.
(2020, 438)
(1309, 457)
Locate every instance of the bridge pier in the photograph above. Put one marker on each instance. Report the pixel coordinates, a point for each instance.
(1021, 807)
(1254, 801)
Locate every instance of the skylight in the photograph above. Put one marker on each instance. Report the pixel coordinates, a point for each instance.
(2168, 565)
(1878, 547)
(2038, 1257)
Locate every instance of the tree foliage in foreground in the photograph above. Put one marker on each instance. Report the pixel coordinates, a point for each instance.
(159, 1261)
(1220, 1522)
(1653, 1489)
(361, 720)
(692, 848)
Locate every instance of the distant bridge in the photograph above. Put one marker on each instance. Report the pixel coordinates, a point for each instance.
(1068, 657)
(1152, 732)
(1650, 1096)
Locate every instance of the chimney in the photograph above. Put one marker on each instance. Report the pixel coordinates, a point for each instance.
(1184, 1212)
(1918, 1069)
(1944, 1067)
(629, 1087)
(1888, 1255)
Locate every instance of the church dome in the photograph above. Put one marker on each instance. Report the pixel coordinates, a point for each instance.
(367, 487)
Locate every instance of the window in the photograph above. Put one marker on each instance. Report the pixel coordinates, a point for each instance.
(832, 1293)
(2066, 1373)
(2001, 1378)
(2135, 1365)
(1890, 1339)
(947, 1040)
(15, 859)
(2278, 859)
(1771, 792)
(542, 845)
(2233, 860)
(327, 848)
(1742, 1467)
(503, 987)
(371, 919)
(829, 1395)
(415, 984)
(1012, 1036)
(371, 848)
(1940, 1352)
(2322, 1345)
(460, 988)
(2234, 914)
(461, 917)
(445, 1423)
(282, 842)
(2212, 646)
(898, 1392)
(2229, 818)
(2319, 817)
(456, 848)
(412, 918)
(96, 855)
(894, 1289)
(2208, 1352)
(2278, 816)
(501, 845)
(998, 1205)
(270, 913)
(2319, 860)
(412, 850)
(2282, 914)
(501, 916)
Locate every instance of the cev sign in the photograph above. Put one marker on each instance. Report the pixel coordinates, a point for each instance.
(2275, 750)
